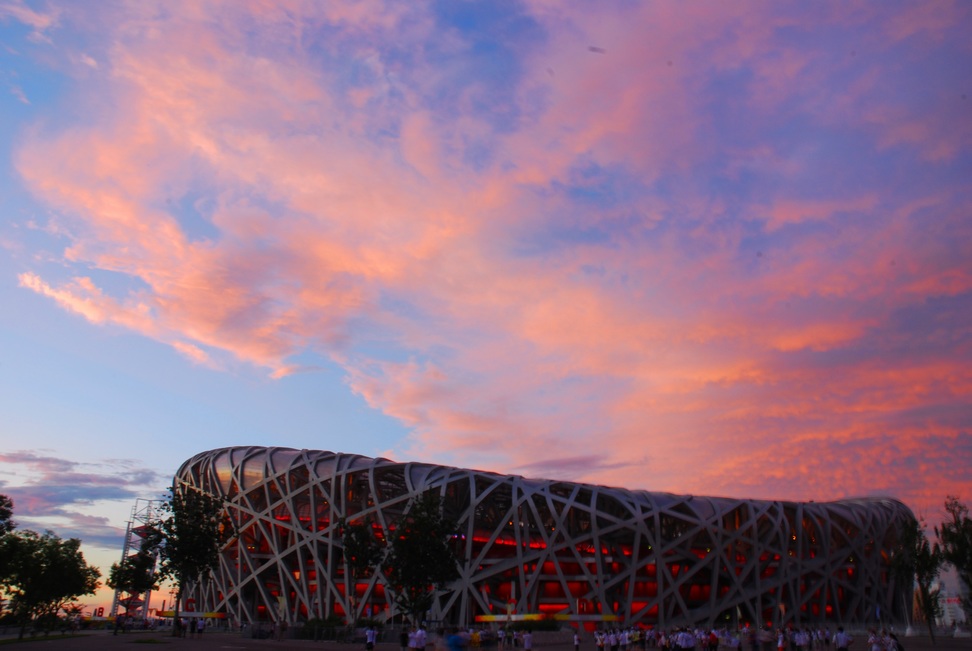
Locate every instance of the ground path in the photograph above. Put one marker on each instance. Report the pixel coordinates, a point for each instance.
(133, 641)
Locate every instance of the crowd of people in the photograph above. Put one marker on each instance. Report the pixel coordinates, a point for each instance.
(806, 638)
(797, 638)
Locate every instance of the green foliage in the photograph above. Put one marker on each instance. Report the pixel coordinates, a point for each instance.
(420, 558)
(331, 621)
(6, 526)
(189, 535)
(917, 559)
(188, 538)
(6, 515)
(136, 574)
(321, 629)
(73, 610)
(43, 573)
(362, 551)
(955, 535)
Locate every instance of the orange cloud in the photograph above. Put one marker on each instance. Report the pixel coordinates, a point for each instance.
(585, 275)
(83, 297)
(195, 353)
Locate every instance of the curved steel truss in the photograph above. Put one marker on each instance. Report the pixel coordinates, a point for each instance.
(535, 546)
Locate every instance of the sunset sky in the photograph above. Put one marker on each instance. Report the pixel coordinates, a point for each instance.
(711, 248)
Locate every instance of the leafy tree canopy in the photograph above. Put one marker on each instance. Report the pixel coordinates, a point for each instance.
(136, 574)
(6, 526)
(363, 552)
(188, 538)
(915, 558)
(6, 515)
(189, 535)
(42, 573)
(420, 558)
(955, 535)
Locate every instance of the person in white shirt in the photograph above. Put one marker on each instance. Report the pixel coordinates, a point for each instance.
(842, 640)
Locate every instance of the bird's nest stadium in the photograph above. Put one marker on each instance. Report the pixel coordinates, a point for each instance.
(578, 552)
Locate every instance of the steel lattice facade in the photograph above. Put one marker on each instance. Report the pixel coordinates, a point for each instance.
(548, 547)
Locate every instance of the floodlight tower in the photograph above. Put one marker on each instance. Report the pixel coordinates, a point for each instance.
(145, 516)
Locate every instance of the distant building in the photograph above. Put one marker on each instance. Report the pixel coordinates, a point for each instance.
(950, 601)
(578, 552)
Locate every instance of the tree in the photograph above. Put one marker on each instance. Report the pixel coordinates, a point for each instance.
(955, 536)
(136, 574)
(420, 559)
(362, 551)
(6, 526)
(920, 562)
(188, 538)
(6, 515)
(43, 573)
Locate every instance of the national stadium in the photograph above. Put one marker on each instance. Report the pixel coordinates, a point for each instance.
(534, 548)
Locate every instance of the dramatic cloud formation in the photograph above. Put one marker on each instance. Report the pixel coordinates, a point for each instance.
(711, 248)
(50, 491)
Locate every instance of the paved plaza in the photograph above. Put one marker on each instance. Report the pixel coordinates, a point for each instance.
(105, 641)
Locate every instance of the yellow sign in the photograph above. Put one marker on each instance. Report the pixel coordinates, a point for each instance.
(536, 617)
(171, 613)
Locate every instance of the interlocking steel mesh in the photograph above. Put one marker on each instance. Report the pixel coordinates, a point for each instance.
(576, 551)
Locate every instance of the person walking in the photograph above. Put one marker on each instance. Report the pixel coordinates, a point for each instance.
(842, 640)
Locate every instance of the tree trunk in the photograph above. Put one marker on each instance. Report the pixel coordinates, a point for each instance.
(176, 624)
(928, 612)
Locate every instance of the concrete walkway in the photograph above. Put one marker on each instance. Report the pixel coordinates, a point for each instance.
(105, 641)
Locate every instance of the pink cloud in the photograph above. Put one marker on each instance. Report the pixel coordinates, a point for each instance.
(195, 353)
(52, 487)
(563, 291)
(40, 21)
(792, 212)
(83, 297)
(933, 24)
